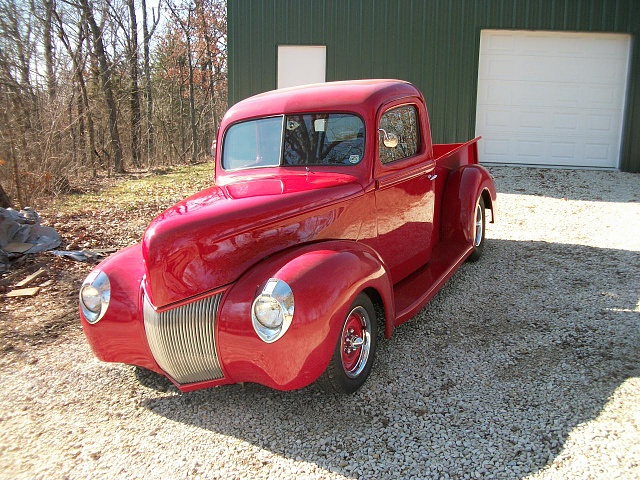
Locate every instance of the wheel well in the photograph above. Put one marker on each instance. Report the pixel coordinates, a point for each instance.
(378, 305)
(486, 196)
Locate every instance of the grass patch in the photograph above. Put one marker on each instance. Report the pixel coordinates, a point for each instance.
(164, 186)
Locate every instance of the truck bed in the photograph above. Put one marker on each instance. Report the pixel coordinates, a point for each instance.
(454, 155)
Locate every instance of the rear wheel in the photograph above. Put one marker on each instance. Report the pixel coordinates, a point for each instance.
(479, 221)
(355, 350)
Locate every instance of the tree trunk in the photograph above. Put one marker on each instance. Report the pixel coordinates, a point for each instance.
(147, 76)
(82, 128)
(186, 28)
(134, 93)
(183, 148)
(16, 174)
(105, 76)
(48, 49)
(72, 132)
(209, 67)
(192, 95)
(84, 110)
(5, 201)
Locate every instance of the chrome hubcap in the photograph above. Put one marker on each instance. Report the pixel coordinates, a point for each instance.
(352, 342)
(355, 342)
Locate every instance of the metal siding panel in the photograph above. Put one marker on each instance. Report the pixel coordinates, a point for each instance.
(232, 87)
(433, 43)
(346, 51)
(631, 140)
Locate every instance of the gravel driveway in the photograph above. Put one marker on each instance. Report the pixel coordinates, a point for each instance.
(526, 365)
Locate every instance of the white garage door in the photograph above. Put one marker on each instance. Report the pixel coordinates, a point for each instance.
(551, 98)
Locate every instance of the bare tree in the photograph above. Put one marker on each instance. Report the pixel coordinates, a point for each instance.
(107, 87)
(5, 201)
(212, 28)
(47, 29)
(17, 95)
(134, 91)
(147, 34)
(71, 71)
(84, 110)
(186, 24)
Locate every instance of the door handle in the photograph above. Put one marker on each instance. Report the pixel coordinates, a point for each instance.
(432, 176)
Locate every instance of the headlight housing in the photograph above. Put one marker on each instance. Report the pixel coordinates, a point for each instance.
(95, 294)
(272, 310)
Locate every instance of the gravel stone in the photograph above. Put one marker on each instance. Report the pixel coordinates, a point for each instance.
(525, 365)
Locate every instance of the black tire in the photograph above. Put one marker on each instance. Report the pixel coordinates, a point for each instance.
(479, 221)
(353, 356)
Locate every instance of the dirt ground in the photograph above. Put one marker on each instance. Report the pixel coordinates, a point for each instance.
(28, 322)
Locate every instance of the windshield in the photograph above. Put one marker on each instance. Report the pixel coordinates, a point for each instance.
(308, 139)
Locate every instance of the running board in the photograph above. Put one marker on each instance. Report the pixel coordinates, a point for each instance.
(415, 291)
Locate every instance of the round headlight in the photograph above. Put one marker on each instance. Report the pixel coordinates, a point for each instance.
(95, 295)
(91, 298)
(272, 310)
(268, 312)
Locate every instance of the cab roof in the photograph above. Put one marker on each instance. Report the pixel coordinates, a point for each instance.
(361, 96)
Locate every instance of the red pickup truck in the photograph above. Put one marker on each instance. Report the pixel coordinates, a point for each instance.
(332, 215)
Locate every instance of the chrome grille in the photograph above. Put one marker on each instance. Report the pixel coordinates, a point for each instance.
(182, 339)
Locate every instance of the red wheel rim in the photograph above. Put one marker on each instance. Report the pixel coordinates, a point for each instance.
(355, 342)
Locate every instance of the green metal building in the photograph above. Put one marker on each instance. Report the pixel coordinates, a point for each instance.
(545, 82)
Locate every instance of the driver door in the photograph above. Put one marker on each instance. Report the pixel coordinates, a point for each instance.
(405, 194)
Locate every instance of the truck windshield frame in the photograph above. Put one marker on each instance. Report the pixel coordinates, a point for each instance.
(306, 139)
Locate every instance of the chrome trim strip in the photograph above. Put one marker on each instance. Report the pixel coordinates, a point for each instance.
(182, 339)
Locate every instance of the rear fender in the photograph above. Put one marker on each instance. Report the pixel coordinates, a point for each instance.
(325, 278)
(461, 192)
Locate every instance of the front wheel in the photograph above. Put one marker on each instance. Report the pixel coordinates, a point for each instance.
(479, 221)
(353, 357)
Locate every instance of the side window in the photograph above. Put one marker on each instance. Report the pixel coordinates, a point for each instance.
(403, 123)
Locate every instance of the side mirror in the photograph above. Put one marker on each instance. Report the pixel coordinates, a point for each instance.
(390, 140)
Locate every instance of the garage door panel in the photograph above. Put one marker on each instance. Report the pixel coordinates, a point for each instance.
(570, 152)
(542, 121)
(499, 42)
(497, 119)
(568, 122)
(564, 151)
(498, 147)
(607, 47)
(604, 71)
(496, 93)
(605, 96)
(532, 121)
(597, 153)
(529, 148)
(548, 94)
(551, 98)
(602, 125)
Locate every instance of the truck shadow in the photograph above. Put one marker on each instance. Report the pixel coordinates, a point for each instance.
(490, 378)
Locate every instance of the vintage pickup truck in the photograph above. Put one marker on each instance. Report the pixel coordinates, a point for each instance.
(332, 213)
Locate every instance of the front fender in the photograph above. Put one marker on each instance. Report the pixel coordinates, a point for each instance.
(119, 336)
(461, 192)
(325, 278)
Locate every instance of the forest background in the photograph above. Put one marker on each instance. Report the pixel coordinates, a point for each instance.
(101, 87)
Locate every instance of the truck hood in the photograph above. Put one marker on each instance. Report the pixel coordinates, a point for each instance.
(208, 240)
